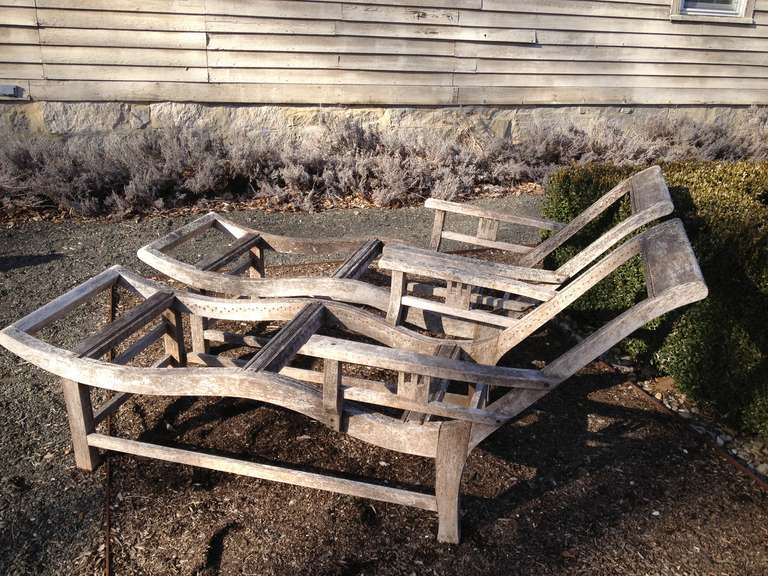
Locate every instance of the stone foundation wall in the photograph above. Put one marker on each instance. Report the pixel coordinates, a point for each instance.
(83, 117)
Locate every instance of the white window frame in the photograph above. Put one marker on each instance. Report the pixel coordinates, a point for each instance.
(743, 15)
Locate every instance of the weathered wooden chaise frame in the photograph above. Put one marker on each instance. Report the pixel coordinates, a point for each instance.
(650, 201)
(425, 366)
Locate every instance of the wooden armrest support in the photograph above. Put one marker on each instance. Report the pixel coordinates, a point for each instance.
(512, 279)
(469, 210)
(286, 343)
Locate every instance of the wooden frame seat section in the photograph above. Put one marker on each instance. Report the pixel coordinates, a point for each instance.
(649, 199)
(351, 405)
(343, 286)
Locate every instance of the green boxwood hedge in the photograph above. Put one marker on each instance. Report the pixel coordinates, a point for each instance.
(716, 350)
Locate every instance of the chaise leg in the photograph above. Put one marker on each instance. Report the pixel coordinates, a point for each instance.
(452, 450)
(77, 397)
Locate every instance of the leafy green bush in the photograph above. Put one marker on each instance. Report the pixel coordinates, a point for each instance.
(716, 350)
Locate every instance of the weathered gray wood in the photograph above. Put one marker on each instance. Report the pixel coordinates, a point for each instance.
(458, 295)
(495, 244)
(469, 210)
(450, 267)
(397, 291)
(356, 265)
(77, 398)
(481, 316)
(437, 230)
(256, 262)
(286, 343)
(266, 471)
(452, 450)
(174, 337)
(487, 229)
(235, 250)
(115, 332)
(332, 394)
(141, 344)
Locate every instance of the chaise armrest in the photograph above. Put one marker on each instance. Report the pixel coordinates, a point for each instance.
(478, 212)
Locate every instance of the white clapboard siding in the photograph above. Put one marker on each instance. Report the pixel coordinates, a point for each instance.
(403, 14)
(473, 4)
(15, 3)
(275, 9)
(436, 32)
(112, 73)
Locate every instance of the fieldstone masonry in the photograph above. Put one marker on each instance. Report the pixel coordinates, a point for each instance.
(82, 117)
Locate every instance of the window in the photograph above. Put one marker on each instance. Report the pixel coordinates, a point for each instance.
(725, 11)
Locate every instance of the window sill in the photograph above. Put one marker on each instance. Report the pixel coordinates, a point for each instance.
(714, 19)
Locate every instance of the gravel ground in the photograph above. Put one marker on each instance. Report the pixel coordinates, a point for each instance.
(593, 480)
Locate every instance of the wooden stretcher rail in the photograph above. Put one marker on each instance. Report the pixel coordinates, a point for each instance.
(495, 244)
(266, 472)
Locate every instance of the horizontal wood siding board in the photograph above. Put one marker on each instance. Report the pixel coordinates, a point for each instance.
(240, 93)
(20, 54)
(606, 80)
(610, 54)
(304, 76)
(18, 17)
(608, 95)
(170, 6)
(120, 20)
(322, 44)
(122, 38)
(17, 35)
(21, 71)
(123, 56)
(287, 60)
(116, 73)
(276, 9)
(593, 67)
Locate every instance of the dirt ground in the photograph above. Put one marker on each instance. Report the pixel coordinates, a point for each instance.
(593, 480)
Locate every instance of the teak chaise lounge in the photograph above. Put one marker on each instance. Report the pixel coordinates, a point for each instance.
(649, 198)
(437, 378)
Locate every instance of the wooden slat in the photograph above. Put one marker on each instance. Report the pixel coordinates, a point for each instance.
(18, 16)
(357, 264)
(496, 244)
(21, 71)
(474, 315)
(172, 6)
(115, 332)
(303, 76)
(17, 35)
(92, 19)
(290, 338)
(228, 254)
(265, 471)
(479, 212)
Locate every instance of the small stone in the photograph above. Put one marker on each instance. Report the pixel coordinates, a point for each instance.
(382, 463)
(763, 469)
(656, 513)
(658, 396)
(685, 413)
